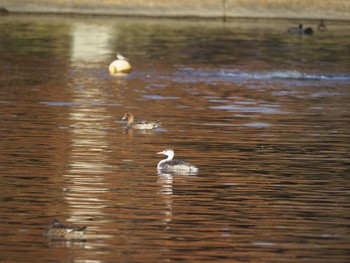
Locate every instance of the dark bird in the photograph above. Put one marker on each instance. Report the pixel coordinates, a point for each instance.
(308, 31)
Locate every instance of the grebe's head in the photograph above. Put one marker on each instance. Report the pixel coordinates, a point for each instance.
(168, 152)
(128, 116)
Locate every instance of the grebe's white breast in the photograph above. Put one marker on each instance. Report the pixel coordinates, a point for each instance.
(170, 165)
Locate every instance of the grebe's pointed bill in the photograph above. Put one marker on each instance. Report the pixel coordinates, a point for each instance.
(167, 152)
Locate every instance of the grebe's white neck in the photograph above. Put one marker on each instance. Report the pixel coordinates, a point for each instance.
(169, 153)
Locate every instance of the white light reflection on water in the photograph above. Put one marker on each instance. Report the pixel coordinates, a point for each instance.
(165, 182)
(259, 109)
(87, 159)
(90, 44)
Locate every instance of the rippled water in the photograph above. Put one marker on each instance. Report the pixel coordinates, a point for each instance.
(263, 114)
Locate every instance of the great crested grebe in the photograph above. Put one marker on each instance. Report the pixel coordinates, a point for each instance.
(140, 125)
(58, 231)
(170, 165)
(120, 65)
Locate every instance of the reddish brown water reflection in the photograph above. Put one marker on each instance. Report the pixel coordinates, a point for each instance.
(273, 153)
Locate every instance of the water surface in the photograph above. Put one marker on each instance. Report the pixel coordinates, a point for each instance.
(262, 113)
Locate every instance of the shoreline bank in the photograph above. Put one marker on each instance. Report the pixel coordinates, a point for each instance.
(181, 9)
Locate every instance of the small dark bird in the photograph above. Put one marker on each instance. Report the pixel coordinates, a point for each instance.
(308, 31)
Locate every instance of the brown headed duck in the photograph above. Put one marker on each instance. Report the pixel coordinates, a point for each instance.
(140, 125)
